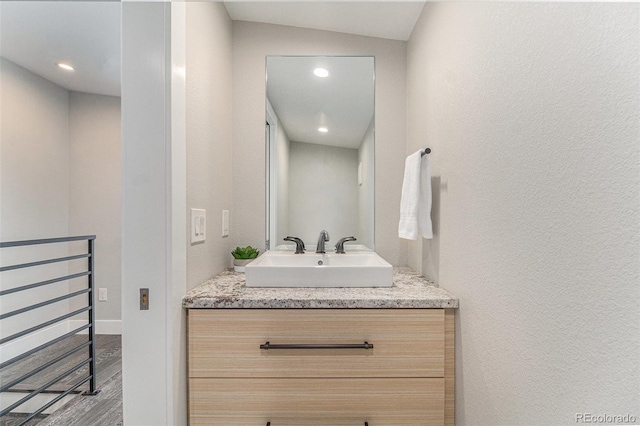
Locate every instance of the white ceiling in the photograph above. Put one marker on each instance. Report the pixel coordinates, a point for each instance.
(344, 101)
(37, 34)
(386, 19)
(341, 102)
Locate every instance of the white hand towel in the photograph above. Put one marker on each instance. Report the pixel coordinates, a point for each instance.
(415, 203)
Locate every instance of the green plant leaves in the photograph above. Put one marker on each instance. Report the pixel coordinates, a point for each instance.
(247, 252)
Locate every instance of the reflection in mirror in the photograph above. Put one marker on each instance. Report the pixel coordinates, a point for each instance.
(320, 150)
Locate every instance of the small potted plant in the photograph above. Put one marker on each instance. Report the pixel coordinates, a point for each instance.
(242, 256)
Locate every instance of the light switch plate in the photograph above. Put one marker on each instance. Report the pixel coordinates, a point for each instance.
(225, 223)
(198, 225)
(102, 294)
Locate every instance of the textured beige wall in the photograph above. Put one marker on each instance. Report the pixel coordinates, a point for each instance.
(252, 42)
(95, 190)
(35, 152)
(321, 176)
(366, 191)
(34, 193)
(532, 111)
(208, 59)
(281, 160)
(61, 176)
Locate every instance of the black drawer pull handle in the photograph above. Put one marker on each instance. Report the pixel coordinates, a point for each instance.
(365, 423)
(365, 345)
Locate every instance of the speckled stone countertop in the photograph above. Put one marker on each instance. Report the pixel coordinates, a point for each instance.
(228, 290)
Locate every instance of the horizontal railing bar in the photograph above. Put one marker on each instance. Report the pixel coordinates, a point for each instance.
(43, 387)
(43, 367)
(56, 399)
(31, 389)
(43, 346)
(43, 262)
(41, 283)
(43, 325)
(45, 303)
(46, 241)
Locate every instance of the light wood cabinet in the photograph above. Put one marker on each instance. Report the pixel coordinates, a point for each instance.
(407, 378)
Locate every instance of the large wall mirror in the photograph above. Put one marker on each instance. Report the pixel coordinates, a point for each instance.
(320, 149)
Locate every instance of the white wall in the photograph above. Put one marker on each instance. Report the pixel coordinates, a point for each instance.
(95, 193)
(366, 191)
(61, 177)
(208, 50)
(279, 185)
(283, 165)
(252, 42)
(532, 113)
(148, 254)
(35, 152)
(320, 178)
(160, 139)
(34, 196)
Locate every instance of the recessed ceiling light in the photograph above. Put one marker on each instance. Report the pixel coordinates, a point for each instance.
(323, 129)
(321, 72)
(65, 66)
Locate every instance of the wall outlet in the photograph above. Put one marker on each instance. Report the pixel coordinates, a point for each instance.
(102, 294)
(198, 225)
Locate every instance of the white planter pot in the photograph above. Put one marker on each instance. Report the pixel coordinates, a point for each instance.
(239, 264)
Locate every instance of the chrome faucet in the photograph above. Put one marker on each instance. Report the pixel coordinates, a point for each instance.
(299, 244)
(323, 238)
(340, 244)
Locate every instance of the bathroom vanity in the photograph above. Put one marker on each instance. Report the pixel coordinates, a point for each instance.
(321, 356)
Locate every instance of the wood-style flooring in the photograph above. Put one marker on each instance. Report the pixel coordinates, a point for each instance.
(104, 409)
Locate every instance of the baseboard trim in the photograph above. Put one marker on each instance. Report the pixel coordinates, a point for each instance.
(102, 326)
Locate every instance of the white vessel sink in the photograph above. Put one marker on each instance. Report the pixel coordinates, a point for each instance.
(286, 269)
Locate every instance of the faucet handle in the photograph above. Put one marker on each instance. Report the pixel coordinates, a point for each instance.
(299, 244)
(340, 243)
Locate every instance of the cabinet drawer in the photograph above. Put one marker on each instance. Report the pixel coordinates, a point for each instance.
(305, 402)
(226, 342)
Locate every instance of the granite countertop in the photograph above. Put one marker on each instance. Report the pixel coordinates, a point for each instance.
(228, 290)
